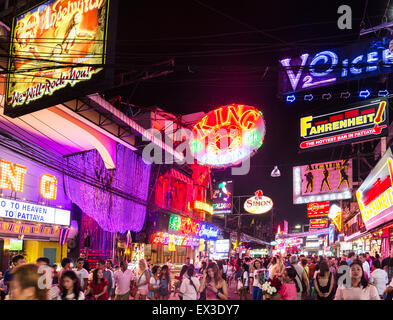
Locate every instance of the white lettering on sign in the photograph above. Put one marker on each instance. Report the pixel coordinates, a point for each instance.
(10, 209)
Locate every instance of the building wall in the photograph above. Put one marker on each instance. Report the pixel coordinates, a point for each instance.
(35, 249)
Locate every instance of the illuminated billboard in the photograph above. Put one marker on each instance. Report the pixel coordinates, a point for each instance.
(258, 204)
(222, 197)
(313, 69)
(363, 120)
(325, 181)
(318, 209)
(318, 223)
(375, 195)
(56, 48)
(228, 135)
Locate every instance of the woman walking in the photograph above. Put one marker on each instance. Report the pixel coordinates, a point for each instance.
(216, 287)
(142, 280)
(165, 282)
(256, 284)
(190, 285)
(98, 286)
(243, 282)
(154, 286)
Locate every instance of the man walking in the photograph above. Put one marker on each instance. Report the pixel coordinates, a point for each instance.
(301, 277)
(123, 278)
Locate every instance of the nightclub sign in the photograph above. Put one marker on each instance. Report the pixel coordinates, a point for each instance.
(327, 67)
(318, 209)
(171, 240)
(190, 227)
(318, 223)
(375, 195)
(228, 135)
(361, 121)
(258, 204)
(56, 48)
(222, 197)
(325, 181)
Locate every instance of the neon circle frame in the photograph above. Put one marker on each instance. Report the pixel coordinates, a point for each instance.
(222, 126)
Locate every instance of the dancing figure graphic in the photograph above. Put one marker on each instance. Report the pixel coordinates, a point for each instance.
(326, 175)
(344, 176)
(310, 181)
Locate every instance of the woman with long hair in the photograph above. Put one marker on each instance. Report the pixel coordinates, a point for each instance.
(256, 284)
(288, 289)
(359, 288)
(243, 282)
(154, 286)
(98, 286)
(179, 281)
(190, 285)
(70, 288)
(216, 287)
(278, 269)
(25, 283)
(142, 280)
(230, 274)
(165, 283)
(324, 282)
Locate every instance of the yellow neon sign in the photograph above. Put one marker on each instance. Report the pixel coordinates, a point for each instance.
(203, 206)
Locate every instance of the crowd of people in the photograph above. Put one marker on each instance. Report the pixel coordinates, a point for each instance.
(297, 277)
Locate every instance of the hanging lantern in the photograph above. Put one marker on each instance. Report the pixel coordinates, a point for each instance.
(276, 172)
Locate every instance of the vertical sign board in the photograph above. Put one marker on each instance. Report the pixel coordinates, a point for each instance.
(322, 182)
(222, 197)
(375, 195)
(361, 121)
(58, 51)
(327, 67)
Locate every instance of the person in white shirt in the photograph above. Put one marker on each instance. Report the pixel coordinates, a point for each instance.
(243, 288)
(123, 278)
(365, 265)
(379, 278)
(389, 288)
(360, 288)
(190, 285)
(154, 286)
(82, 273)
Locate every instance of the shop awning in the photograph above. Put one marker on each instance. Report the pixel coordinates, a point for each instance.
(304, 234)
(246, 238)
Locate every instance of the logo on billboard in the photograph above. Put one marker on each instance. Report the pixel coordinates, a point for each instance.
(331, 66)
(322, 182)
(54, 45)
(366, 120)
(222, 197)
(318, 209)
(318, 223)
(258, 204)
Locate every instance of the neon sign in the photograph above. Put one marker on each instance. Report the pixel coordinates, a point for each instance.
(228, 135)
(318, 209)
(12, 177)
(183, 241)
(189, 226)
(199, 205)
(318, 223)
(375, 195)
(328, 67)
(258, 204)
(364, 120)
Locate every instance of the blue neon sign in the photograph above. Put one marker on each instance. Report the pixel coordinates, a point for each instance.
(328, 67)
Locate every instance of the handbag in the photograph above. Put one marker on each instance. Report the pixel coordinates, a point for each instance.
(134, 288)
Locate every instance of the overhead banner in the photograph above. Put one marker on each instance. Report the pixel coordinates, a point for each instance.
(56, 47)
(315, 69)
(325, 181)
(318, 209)
(222, 197)
(361, 121)
(375, 195)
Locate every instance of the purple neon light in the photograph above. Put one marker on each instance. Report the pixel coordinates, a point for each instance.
(112, 212)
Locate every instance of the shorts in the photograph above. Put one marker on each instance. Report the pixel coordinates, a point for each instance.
(143, 292)
(125, 296)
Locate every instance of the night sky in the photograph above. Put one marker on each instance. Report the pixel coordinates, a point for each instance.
(221, 53)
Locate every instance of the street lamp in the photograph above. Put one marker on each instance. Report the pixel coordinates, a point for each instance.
(298, 226)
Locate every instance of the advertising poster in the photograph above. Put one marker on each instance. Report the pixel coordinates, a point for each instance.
(318, 209)
(361, 121)
(222, 197)
(55, 45)
(322, 182)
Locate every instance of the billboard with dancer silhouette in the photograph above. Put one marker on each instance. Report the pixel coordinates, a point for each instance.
(323, 181)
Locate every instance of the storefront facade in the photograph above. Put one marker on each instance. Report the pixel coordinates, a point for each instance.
(33, 209)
